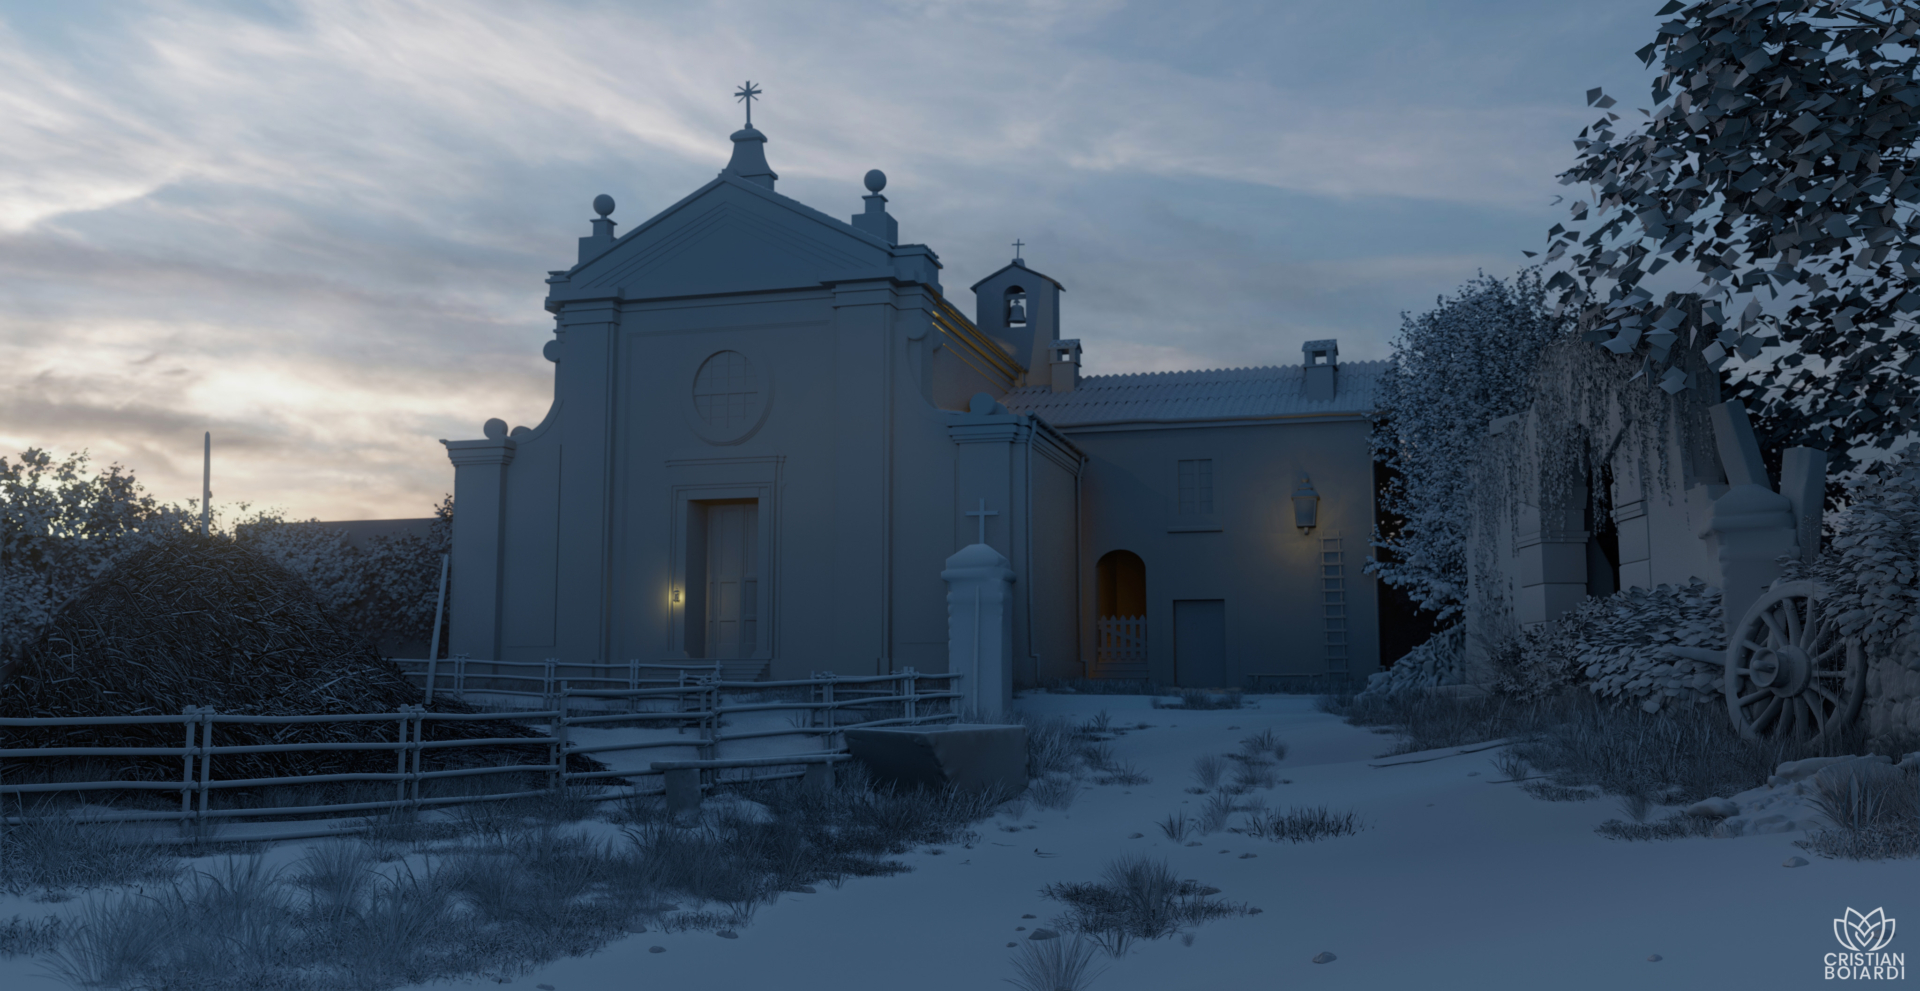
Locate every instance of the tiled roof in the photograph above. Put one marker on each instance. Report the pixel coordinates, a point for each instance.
(1215, 394)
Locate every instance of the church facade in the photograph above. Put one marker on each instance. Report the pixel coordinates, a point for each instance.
(771, 427)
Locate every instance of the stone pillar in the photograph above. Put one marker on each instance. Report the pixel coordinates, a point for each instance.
(1752, 528)
(1550, 560)
(1803, 480)
(980, 629)
(1752, 525)
(479, 490)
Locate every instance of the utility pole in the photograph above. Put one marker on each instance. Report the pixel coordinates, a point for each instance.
(206, 484)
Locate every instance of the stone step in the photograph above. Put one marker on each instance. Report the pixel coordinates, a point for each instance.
(743, 670)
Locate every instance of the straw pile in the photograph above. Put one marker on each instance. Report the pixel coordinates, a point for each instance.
(203, 621)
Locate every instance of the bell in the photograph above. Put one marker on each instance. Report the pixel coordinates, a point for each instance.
(1017, 311)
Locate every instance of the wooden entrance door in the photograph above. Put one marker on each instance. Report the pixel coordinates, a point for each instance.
(733, 587)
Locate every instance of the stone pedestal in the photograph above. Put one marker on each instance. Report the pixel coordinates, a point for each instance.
(971, 758)
(980, 629)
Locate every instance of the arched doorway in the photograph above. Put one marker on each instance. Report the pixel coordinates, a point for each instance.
(1120, 620)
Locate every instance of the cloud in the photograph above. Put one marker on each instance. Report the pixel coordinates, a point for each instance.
(320, 229)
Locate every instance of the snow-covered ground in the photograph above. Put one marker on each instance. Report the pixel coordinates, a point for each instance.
(1457, 881)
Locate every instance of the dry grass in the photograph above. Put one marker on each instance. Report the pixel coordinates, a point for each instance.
(1138, 898)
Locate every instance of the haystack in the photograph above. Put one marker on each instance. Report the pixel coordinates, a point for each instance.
(201, 621)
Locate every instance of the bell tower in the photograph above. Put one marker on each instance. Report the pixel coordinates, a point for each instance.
(1020, 308)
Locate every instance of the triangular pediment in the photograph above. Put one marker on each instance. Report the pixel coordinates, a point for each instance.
(730, 236)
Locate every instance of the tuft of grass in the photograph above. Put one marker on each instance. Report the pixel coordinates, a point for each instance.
(1103, 686)
(1510, 765)
(1054, 964)
(1194, 698)
(1124, 774)
(1177, 826)
(1547, 791)
(1214, 814)
(1865, 797)
(1208, 770)
(1138, 898)
(1098, 756)
(1875, 812)
(1302, 825)
(1100, 723)
(1674, 827)
(1248, 775)
(56, 852)
(1051, 747)
(1055, 791)
(26, 937)
(1263, 743)
(1637, 805)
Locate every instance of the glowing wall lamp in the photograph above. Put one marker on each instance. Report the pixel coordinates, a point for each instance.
(1306, 506)
(676, 597)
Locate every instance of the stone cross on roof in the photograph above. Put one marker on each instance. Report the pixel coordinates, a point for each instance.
(1017, 245)
(983, 512)
(747, 94)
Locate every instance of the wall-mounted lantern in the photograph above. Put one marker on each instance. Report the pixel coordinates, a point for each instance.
(1306, 506)
(676, 597)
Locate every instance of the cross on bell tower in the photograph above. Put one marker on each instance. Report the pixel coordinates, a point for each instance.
(747, 94)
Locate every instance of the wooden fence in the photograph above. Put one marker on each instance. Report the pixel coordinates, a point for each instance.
(834, 705)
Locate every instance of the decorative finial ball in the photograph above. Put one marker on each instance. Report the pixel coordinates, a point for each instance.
(603, 204)
(876, 181)
(494, 429)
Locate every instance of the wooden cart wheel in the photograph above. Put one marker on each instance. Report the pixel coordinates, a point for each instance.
(1789, 672)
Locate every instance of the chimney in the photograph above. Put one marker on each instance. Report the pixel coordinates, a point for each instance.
(1320, 366)
(1065, 364)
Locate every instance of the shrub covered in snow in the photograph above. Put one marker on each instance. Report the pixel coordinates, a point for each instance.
(1869, 569)
(1436, 662)
(1616, 647)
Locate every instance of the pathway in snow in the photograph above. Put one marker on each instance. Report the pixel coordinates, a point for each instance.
(1456, 882)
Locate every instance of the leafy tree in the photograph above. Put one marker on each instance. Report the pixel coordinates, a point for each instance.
(1455, 368)
(64, 526)
(1781, 159)
(61, 528)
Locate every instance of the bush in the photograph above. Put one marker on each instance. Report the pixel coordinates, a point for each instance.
(1140, 899)
(1302, 825)
(1674, 827)
(1054, 965)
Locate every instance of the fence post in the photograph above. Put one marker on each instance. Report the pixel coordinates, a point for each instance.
(546, 684)
(186, 772)
(709, 722)
(401, 784)
(206, 758)
(460, 676)
(633, 683)
(419, 730)
(912, 682)
(557, 779)
(827, 696)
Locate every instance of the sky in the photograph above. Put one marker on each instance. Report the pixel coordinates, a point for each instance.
(320, 230)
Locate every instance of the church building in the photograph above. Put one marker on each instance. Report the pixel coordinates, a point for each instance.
(771, 426)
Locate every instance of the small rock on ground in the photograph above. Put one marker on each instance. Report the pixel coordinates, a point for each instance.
(1653, 958)
(1013, 944)
(1248, 856)
(656, 949)
(1044, 934)
(1794, 862)
(727, 934)
(544, 987)
(1029, 915)
(1324, 957)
